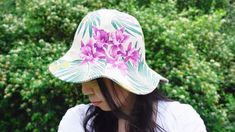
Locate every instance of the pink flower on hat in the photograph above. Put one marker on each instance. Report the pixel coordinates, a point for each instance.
(132, 55)
(110, 47)
(87, 52)
(116, 62)
(101, 37)
(118, 37)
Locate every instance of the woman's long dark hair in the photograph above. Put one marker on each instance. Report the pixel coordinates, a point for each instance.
(140, 120)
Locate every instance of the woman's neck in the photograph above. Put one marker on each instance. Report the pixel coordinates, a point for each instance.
(122, 123)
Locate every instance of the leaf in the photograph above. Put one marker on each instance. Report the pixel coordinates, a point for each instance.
(136, 44)
(114, 24)
(129, 27)
(94, 23)
(93, 19)
(85, 29)
(79, 28)
(98, 19)
(77, 72)
(118, 24)
(90, 29)
(129, 33)
(132, 24)
(149, 79)
(132, 29)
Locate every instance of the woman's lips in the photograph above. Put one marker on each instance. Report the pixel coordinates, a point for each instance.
(96, 102)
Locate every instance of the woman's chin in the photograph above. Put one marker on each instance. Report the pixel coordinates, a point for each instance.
(104, 108)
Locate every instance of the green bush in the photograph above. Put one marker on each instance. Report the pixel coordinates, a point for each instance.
(205, 6)
(194, 50)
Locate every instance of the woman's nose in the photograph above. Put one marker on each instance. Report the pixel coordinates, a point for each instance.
(86, 90)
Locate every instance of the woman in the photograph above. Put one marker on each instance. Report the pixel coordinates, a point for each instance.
(108, 57)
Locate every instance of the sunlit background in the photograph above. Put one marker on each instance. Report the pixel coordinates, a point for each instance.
(190, 42)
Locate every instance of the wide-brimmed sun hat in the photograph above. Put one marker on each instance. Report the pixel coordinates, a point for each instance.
(108, 43)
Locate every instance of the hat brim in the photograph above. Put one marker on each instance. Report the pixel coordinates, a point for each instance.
(140, 80)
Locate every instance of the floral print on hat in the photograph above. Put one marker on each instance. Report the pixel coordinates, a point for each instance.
(109, 47)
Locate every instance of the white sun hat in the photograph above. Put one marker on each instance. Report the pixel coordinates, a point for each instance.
(108, 43)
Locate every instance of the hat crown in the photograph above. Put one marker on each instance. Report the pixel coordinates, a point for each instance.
(106, 27)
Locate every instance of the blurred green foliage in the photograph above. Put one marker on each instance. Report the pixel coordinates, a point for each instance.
(190, 42)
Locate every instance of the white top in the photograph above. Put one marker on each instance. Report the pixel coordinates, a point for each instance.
(171, 116)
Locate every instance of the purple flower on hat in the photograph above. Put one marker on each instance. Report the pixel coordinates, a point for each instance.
(116, 62)
(87, 52)
(119, 37)
(132, 55)
(101, 37)
(109, 46)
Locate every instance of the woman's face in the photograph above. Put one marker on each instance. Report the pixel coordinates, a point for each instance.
(121, 97)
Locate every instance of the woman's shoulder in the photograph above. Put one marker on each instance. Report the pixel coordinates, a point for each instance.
(73, 119)
(81, 108)
(175, 107)
(174, 115)
(76, 112)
